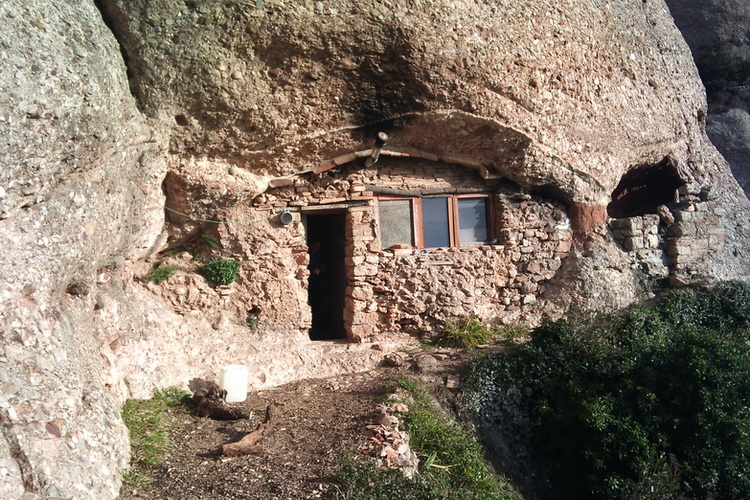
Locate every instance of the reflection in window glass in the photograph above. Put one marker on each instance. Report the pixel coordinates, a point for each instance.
(472, 220)
(435, 222)
(395, 223)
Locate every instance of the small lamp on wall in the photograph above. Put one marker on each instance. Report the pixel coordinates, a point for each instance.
(286, 217)
(381, 140)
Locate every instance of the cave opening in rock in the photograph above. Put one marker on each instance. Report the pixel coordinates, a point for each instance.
(642, 189)
(327, 282)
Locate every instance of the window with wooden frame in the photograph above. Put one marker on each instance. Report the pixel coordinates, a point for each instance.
(435, 221)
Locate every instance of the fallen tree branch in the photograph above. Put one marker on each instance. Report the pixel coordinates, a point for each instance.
(248, 445)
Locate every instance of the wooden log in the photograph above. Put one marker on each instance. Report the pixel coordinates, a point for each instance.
(248, 445)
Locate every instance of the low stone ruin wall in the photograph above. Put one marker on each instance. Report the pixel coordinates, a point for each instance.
(668, 247)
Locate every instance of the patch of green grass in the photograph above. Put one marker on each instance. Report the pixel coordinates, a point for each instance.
(222, 271)
(512, 333)
(465, 331)
(451, 456)
(133, 479)
(470, 331)
(452, 462)
(360, 478)
(149, 425)
(162, 273)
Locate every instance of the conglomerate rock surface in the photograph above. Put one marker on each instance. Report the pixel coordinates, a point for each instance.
(561, 98)
(276, 86)
(80, 175)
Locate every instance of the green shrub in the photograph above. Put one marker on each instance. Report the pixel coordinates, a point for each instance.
(162, 273)
(653, 399)
(221, 271)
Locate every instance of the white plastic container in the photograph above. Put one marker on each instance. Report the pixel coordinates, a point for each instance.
(233, 379)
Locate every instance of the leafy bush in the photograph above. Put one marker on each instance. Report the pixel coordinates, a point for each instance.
(162, 273)
(221, 271)
(653, 399)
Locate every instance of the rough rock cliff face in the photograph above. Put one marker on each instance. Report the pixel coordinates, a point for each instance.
(80, 195)
(546, 112)
(718, 32)
(275, 86)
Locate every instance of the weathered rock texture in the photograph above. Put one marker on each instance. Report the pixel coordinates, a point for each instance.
(555, 112)
(80, 175)
(718, 32)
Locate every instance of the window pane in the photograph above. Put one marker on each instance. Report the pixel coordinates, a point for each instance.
(435, 222)
(395, 223)
(472, 220)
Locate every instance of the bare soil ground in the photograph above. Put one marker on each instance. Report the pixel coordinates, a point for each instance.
(316, 420)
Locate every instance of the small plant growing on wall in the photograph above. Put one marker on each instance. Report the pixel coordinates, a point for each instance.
(221, 271)
(162, 273)
(211, 242)
(253, 319)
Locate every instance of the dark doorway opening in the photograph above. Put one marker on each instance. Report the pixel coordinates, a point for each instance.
(327, 283)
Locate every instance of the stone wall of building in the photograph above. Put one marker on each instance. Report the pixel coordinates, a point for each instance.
(411, 290)
(643, 237)
(669, 245)
(416, 290)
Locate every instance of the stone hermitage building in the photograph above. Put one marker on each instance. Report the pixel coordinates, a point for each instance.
(413, 240)
(398, 239)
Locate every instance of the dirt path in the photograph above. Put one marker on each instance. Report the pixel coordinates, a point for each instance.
(316, 420)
